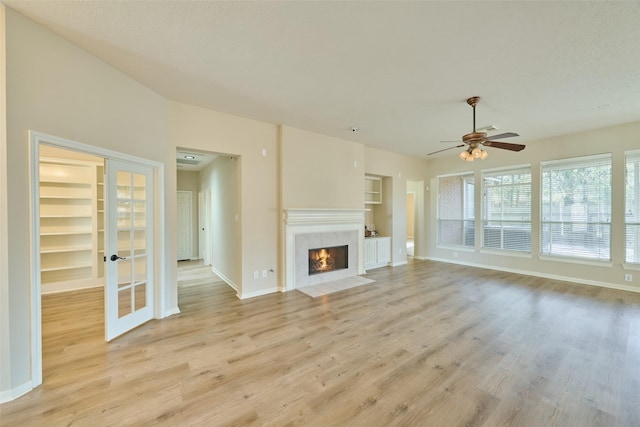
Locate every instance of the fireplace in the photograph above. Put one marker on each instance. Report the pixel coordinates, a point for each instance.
(324, 260)
(308, 230)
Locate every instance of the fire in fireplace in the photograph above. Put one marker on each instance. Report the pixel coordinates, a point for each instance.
(323, 260)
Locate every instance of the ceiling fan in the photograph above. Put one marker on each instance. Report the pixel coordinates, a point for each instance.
(476, 140)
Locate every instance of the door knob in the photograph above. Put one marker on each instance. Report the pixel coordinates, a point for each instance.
(115, 257)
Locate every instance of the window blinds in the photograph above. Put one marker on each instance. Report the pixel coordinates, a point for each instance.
(576, 208)
(632, 208)
(506, 214)
(456, 210)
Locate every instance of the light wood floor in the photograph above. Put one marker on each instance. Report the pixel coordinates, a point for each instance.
(427, 344)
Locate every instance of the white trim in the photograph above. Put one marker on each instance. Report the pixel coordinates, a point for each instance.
(630, 266)
(457, 248)
(523, 166)
(171, 312)
(14, 393)
(542, 275)
(577, 160)
(247, 295)
(35, 139)
(448, 175)
(571, 260)
(225, 279)
(397, 263)
(506, 252)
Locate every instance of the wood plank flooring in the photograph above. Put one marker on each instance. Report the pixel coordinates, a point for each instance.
(427, 344)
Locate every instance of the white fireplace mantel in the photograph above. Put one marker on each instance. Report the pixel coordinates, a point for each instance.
(308, 221)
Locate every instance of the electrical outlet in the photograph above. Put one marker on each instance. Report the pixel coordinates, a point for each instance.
(256, 274)
(455, 254)
(264, 273)
(628, 277)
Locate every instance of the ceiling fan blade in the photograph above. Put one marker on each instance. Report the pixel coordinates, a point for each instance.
(503, 135)
(450, 148)
(504, 145)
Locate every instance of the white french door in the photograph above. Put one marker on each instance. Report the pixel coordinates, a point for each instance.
(129, 246)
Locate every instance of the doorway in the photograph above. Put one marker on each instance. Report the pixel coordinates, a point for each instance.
(128, 212)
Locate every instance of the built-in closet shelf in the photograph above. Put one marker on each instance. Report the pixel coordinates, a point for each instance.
(63, 249)
(71, 200)
(372, 190)
(65, 267)
(65, 233)
(66, 216)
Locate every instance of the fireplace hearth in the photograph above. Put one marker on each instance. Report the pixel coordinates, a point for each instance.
(324, 260)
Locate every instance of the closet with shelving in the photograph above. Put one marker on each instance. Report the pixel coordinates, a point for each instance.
(71, 220)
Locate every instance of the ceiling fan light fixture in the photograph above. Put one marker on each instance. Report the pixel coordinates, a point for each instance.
(464, 154)
(476, 152)
(484, 154)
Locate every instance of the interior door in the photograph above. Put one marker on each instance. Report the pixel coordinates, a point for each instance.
(129, 246)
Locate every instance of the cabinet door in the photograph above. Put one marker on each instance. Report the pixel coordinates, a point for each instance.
(370, 252)
(384, 250)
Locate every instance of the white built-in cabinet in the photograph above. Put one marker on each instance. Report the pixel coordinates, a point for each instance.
(377, 252)
(71, 223)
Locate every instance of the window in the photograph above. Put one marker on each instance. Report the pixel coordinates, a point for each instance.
(576, 208)
(506, 214)
(456, 210)
(632, 208)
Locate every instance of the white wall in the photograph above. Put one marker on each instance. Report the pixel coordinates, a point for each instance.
(614, 140)
(56, 88)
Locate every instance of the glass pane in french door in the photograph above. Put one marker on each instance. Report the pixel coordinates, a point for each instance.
(132, 244)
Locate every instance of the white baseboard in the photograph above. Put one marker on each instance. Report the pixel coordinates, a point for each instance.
(543, 275)
(14, 393)
(225, 278)
(171, 312)
(398, 263)
(247, 295)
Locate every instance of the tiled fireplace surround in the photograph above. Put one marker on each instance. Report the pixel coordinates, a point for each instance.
(319, 228)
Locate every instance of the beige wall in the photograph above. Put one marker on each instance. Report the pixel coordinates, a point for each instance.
(614, 140)
(201, 129)
(319, 171)
(398, 169)
(6, 381)
(189, 181)
(221, 179)
(56, 88)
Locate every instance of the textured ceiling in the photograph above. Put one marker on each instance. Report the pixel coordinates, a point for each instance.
(399, 71)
